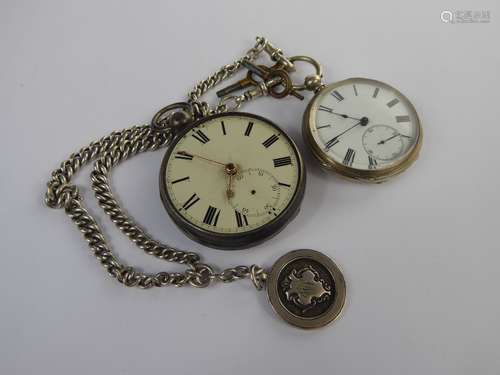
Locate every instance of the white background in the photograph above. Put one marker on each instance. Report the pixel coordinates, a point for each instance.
(420, 254)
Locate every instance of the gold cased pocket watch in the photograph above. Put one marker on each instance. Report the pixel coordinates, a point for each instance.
(362, 129)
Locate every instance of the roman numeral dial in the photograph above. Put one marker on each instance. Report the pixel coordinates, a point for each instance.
(191, 201)
(211, 216)
(349, 157)
(332, 142)
(362, 124)
(200, 136)
(337, 95)
(180, 180)
(270, 141)
(230, 175)
(241, 220)
(281, 162)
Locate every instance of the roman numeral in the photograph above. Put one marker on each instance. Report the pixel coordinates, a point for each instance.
(269, 141)
(323, 126)
(180, 180)
(402, 118)
(200, 136)
(280, 162)
(283, 184)
(349, 157)
(249, 129)
(326, 109)
(337, 95)
(375, 93)
(332, 142)
(184, 156)
(211, 216)
(393, 102)
(355, 90)
(189, 203)
(241, 220)
(223, 127)
(372, 163)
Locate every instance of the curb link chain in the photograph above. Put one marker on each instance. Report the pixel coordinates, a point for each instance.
(108, 152)
(121, 145)
(202, 109)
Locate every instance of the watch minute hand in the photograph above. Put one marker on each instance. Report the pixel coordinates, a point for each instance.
(334, 140)
(200, 157)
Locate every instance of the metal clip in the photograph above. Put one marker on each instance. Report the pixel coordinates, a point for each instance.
(276, 54)
(312, 82)
(172, 117)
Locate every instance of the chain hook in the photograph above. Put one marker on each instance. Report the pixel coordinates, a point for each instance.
(173, 117)
(223, 103)
(311, 82)
(274, 80)
(277, 55)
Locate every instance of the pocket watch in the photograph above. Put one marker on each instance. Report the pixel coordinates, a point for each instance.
(362, 129)
(232, 180)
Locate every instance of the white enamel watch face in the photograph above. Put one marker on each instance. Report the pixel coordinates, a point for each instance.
(362, 124)
(230, 176)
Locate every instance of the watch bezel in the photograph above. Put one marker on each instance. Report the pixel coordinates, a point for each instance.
(233, 241)
(327, 162)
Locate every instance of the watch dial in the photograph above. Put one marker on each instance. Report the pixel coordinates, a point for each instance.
(364, 124)
(232, 174)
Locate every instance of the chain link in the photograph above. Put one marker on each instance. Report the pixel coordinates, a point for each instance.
(202, 109)
(275, 82)
(109, 152)
(117, 147)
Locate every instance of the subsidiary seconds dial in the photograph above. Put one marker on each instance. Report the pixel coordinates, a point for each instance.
(363, 129)
(259, 193)
(383, 142)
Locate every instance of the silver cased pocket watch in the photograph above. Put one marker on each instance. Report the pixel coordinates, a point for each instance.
(362, 129)
(232, 180)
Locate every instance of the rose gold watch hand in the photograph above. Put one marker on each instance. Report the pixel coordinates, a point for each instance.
(200, 157)
(229, 191)
(230, 170)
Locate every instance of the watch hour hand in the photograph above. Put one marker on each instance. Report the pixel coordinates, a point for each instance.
(229, 190)
(346, 116)
(231, 170)
(343, 115)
